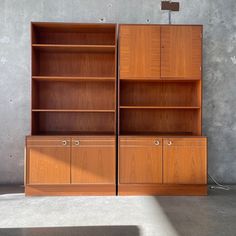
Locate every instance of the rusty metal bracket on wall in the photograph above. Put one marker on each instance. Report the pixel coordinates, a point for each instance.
(170, 6)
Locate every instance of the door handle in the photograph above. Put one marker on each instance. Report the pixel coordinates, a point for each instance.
(64, 142)
(77, 142)
(157, 143)
(169, 143)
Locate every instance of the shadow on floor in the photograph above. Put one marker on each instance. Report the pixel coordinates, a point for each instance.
(8, 189)
(210, 215)
(73, 231)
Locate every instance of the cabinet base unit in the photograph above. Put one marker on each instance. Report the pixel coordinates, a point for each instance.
(71, 190)
(70, 165)
(162, 190)
(151, 165)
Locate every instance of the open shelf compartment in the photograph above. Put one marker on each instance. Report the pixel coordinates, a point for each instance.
(151, 95)
(179, 122)
(48, 123)
(73, 34)
(80, 64)
(84, 95)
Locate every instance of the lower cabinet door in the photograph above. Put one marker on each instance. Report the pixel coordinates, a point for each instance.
(48, 160)
(93, 160)
(140, 160)
(185, 161)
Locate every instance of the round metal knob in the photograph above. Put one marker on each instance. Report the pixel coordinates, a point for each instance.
(64, 142)
(77, 142)
(157, 143)
(169, 143)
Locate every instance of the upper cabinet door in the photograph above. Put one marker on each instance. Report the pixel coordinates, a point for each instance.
(181, 52)
(139, 52)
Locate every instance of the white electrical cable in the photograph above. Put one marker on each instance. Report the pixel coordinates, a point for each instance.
(218, 185)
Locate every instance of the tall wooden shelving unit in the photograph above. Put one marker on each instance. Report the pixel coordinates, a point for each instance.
(72, 149)
(73, 109)
(161, 150)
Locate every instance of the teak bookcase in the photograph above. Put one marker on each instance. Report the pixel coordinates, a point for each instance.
(161, 150)
(72, 149)
(82, 143)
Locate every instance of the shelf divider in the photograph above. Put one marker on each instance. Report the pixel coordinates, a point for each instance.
(159, 107)
(72, 78)
(73, 110)
(74, 48)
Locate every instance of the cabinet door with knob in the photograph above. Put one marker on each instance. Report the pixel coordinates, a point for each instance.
(93, 160)
(140, 160)
(185, 161)
(139, 51)
(181, 51)
(48, 160)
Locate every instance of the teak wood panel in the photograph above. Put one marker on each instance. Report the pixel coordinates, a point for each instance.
(93, 160)
(70, 190)
(163, 189)
(141, 93)
(74, 64)
(140, 160)
(139, 51)
(181, 51)
(74, 95)
(48, 160)
(185, 161)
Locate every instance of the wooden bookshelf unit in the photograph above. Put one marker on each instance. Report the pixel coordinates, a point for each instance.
(92, 134)
(72, 147)
(161, 150)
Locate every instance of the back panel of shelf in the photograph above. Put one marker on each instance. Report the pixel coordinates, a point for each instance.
(162, 121)
(166, 93)
(74, 95)
(89, 64)
(72, 123)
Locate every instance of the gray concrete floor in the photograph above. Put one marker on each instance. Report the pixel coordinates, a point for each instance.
(131, 216)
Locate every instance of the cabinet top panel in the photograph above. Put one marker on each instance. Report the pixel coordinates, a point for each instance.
(170, 25)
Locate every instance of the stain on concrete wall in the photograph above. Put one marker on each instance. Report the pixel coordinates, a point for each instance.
(219, 105)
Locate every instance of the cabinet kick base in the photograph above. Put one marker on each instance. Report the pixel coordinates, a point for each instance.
(163, 189)
(71, 190)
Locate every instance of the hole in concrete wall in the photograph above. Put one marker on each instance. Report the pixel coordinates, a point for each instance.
(109, 5)
(103, 19)
(148, 20)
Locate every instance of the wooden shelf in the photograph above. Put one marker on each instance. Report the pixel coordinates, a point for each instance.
(74, 48)
(179, 78)
(161, 79)
(72, 78)
(157, 134)
(73, 110)
(70, 133)
(159, 107)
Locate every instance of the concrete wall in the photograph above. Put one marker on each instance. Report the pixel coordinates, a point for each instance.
(219, 112)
